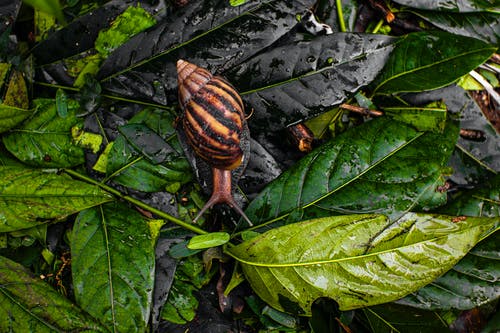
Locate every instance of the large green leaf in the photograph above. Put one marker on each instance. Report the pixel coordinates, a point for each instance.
(32, 197)
(357, 260)
(113, 264)
(381, 166)
(474, 280)
(424, 61)
(45, 139)
(28, 304)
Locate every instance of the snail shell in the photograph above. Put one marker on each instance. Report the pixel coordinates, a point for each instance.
(214, 125)
(213, 118)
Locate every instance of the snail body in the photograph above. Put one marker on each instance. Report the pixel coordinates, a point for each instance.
(213, 123)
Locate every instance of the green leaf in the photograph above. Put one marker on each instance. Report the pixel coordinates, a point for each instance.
(357, 260)
(113, 263)
(147, 156)
(31, 305)
(473, 281)
(381, 166)
(45, 139)
(206, 241)
(52, 7)
(132, 21)
(431, 117)
(423, 61)
(32, 197)
(14, 107)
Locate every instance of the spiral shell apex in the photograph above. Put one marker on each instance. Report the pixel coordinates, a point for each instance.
(213, 116)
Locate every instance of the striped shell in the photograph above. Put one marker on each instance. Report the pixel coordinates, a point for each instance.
(213, 118)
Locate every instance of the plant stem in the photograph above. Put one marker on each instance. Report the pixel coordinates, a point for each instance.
(137, 202)
(340, 15)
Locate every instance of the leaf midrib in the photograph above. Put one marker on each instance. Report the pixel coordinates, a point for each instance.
(358, 257)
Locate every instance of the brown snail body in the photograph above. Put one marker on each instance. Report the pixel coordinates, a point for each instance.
(213, 122)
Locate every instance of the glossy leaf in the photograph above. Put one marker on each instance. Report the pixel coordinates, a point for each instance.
(480, 25)
(357, 260)
(452, 6)
(212, 31)
(381, 166)
(147, 155)
(423, 61)
(80, 35)
(31, 305)
(299, 80)
(32, 197)
(431, 117)
(486, 152)
(474, 280)
(45, 139)
(206, 241)
(113, 263)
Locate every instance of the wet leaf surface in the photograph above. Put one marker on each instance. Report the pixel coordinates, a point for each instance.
(113, 264)
(357, 260)
(425, 61)
(31, 305)
(354, 172)
(32, 197)
(45, 139)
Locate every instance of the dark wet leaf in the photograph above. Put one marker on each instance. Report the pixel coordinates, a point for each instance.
(452, 6)
(164, 276)
(357, 260)
(299, 80)
(113, 265)
(8, 14)
(45, 139)
(31, 305)
(480, 25)
(429, 60)
(380, 166)
(215, 35)
(81, 34)
(32, 197)
(401, 319)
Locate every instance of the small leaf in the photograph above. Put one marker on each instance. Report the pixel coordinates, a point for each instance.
(61, 103)
(31, 305)
(52, 7)
(206, 241)
(32, 197)
(45, 139)
(357, 260)
(113, 264)
(431, 117)
(424, 61)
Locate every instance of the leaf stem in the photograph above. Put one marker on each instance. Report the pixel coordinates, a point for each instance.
(340, 15)
(137, 203)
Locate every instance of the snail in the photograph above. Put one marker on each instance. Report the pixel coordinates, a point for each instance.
(213, 124)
